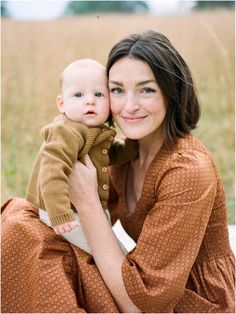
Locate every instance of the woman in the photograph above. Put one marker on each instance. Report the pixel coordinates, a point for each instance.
(169, 199)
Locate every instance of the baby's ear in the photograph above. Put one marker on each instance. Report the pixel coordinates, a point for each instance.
(60, 104)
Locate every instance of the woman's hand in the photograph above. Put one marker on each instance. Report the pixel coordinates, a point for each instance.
(83, 186)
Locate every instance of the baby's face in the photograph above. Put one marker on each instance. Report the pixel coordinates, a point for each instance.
(85, 96)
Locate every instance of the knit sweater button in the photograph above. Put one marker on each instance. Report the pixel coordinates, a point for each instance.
(105, 187)
(104, 151)
(104, 203)
(104, 169)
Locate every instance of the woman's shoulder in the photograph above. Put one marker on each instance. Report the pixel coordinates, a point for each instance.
(191, 150)
(191, 143)
(188, 149)
(188, 172)
(189, 155)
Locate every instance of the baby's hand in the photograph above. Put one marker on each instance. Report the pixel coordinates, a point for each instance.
(66, 227)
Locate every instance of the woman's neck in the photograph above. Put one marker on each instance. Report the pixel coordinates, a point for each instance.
(148, 149)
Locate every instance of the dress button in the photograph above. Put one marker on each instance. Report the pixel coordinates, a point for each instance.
(105, 187)
(104, 151)
(104, 169)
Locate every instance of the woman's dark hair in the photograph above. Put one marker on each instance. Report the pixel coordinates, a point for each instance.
(172, 75)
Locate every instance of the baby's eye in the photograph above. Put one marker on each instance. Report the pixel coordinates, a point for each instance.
(116, 90)
(147, 90)
(99, 94)
(78, 94)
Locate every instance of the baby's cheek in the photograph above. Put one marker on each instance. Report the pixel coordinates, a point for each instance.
(73, 112)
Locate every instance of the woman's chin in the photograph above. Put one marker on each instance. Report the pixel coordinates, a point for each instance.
(133, 135)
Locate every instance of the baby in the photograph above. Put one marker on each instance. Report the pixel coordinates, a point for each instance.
(77, 131)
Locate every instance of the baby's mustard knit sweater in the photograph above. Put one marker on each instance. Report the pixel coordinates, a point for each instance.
(66, 141)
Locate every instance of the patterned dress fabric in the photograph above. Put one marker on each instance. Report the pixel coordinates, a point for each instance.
(42, 272)
(182, 262)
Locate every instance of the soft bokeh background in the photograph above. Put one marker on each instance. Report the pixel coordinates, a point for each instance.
(35, 52)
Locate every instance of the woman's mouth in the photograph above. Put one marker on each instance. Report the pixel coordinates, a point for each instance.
(134, 118)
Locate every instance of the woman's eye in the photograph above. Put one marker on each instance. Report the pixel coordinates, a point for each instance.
(148, 90)
(116, 91)
(78, 94)
(98, 94)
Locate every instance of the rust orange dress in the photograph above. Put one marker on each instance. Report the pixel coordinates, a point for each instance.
(182, 261)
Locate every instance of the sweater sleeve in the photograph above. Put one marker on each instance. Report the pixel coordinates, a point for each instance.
(113, 198)
(156, 272)
(60, 151)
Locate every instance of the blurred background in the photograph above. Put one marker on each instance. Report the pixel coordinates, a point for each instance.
(39, 38)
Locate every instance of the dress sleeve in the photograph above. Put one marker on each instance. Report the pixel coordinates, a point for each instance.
(156, 272)
(60, 151)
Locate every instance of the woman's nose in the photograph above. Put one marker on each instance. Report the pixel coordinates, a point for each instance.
(131, 104)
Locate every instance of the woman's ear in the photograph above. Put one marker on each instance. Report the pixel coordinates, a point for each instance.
(60, 104)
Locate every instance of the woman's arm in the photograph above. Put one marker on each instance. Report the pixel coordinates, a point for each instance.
(107, 253)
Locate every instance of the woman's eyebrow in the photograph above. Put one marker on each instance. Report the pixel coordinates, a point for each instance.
(146, 82)
(138, 84)
(116, 83)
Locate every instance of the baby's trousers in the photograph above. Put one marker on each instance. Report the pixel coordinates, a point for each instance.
(76, 236)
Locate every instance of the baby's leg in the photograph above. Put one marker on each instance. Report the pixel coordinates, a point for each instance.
(76, 236)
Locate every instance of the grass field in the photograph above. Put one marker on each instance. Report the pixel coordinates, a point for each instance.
(34, 53)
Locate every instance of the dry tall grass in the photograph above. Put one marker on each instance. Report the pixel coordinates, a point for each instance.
(34, 53)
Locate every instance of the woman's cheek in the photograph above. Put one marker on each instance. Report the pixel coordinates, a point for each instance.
(156, 107)
(115, 107)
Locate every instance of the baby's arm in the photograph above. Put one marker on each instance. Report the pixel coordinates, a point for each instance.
(66, 227)
(60, 151)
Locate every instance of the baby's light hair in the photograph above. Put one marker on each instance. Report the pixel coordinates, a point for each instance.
(80, 62)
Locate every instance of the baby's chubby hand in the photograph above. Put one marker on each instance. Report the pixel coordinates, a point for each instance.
(66, 227)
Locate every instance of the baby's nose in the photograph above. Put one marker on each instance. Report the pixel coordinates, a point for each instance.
(90, 100)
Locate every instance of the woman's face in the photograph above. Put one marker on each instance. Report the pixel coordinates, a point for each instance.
(137, 103)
